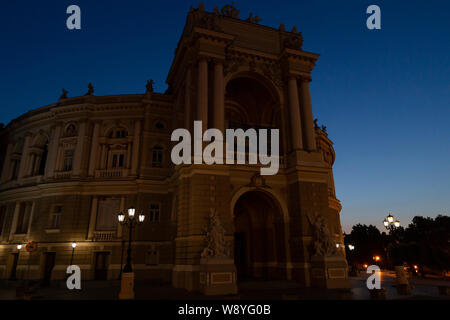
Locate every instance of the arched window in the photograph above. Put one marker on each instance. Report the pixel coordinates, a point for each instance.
(43, 161)
(118, 133)
(71, 130)
(157, 157)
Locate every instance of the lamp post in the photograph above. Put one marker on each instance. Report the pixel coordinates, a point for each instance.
(121, 260)
(74, 245)
(16, 262)
(390, 223)
(127, 282)
(353, 269)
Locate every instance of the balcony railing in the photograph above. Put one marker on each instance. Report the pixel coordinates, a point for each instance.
(111, 173)
(63, 175)
(104, 235)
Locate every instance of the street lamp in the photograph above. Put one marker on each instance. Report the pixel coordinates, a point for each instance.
(74, 245)
(351, 247)
(127, 278)
(131, 222)
(390, 223)
(19, 246)
(390, 218)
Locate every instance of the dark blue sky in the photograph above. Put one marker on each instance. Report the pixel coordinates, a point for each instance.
(384, 95)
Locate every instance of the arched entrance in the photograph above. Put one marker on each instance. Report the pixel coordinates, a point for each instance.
(259, 246)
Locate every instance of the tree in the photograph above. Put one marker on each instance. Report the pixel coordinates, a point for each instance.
(368, 242)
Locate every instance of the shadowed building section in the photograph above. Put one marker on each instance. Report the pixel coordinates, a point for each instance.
(70, 167)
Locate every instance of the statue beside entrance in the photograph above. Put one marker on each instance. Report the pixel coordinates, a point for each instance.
(328, 264)
(217, 269)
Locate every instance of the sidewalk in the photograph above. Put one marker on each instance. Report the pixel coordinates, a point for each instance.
(251, 290)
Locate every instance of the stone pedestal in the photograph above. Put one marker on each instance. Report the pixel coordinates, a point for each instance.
(329, 272)
(127, 286)
(401, 281)
(217, 276)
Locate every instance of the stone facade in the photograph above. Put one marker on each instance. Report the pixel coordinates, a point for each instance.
(70, 167)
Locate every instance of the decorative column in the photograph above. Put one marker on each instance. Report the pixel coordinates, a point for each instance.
(128, 162)
(78, 158)
(24, 158)
(30, 220)
(93, 218)
(53, 152)
(219, 97)
(187, 100)
(307, 115)
(294, 110)
(94, 150)
(14, 221)
(145, 140)
(202, 96)
(103, 157)
(136, 144)
(32, 166)
(6, 164)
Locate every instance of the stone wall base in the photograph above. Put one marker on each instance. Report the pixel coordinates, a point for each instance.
(329, 272)
(217, 276)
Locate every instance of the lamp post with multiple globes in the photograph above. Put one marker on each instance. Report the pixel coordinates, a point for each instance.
(131, 222)
(127, 282)
(391, 224)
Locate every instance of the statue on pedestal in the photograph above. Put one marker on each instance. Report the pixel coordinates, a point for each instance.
(149, 86)
(216, 246)
(90, 90)
(63, 95)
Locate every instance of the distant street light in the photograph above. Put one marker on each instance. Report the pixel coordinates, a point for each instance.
(390, 218)
(351, 247)
(19, 246)
(390, 223)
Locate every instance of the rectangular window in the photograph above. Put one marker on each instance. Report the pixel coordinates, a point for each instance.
(68, 159)
(152, 256)
(2, 218)
(24, 218)
(55, 220)
(118, 160)
(157, 157)
(107, 214)
(154, 212)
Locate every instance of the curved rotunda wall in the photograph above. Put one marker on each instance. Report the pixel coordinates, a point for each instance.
(68, 168)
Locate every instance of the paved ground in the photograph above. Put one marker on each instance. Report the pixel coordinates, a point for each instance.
(273, 290)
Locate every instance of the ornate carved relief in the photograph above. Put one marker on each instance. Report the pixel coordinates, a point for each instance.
(216, 246)
(293, 41)
(323, 242)
(230, 11)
